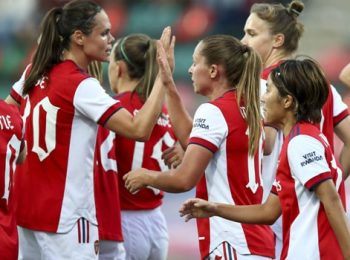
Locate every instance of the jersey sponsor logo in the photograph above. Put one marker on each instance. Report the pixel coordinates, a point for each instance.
(310, 158)
(163, 119)
(200, 122)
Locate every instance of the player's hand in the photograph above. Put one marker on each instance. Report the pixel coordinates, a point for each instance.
(173, 156)
(168, 42)
(197, 208)
(135, 180)
(164, 73)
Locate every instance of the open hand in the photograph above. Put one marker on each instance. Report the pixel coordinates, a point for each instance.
(168, 42)
(197, 208)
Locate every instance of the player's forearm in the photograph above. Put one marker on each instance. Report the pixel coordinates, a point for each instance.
(251, 214)
(147, 117)
(180, 118)
(344, 160)
(329, 197)
(170, 181)
(339, 223)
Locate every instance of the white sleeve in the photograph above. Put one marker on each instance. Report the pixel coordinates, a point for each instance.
(91, 100)
(209, 125)
(338, 105)
(306, 157)
(262, 92)
(18, 86)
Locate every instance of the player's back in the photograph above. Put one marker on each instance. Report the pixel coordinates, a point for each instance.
(132, 155)
(10, 146)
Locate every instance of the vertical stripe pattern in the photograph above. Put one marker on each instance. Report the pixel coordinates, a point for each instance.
(83, 231)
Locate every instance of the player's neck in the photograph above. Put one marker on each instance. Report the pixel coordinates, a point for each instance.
(77, 57)
(126, 85)
(288, 123)
(274, 58)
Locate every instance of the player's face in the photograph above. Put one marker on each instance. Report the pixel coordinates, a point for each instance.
(98, 44)
(272, 104)
(200, 72)
(258, 36)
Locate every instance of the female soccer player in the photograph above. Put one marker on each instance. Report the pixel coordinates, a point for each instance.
(274, 31)
(224, 149)
(132, 72)
(62, 108)
(11, 153)
(309, 189)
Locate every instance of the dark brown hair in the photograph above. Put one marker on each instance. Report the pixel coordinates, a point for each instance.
(305, 81)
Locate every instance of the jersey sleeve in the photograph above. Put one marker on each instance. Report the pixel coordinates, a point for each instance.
(340, 109)
(17, 89)
(209, 127)
(307, 161)
(92, 101)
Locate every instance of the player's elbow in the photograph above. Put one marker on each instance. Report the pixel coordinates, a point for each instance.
(183, 186)
(141, 135)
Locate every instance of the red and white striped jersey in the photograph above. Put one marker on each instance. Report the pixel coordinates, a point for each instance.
(61, 114)
(11, 135)
(306, 160)
(106, 187)
(232, 177)
(132, 154)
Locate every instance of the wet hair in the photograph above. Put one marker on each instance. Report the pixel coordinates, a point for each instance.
(305, 81)
(283, 20)
(139, 52)
(56, 28)
(242, 66)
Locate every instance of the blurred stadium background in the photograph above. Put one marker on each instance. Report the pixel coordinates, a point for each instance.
(326, 38)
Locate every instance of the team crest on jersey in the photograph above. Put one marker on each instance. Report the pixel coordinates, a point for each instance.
(97, 247)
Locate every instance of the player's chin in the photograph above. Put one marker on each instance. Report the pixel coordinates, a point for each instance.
(104, 57)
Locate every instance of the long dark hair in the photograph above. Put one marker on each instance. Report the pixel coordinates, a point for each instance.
(306, 83)
(56, 28)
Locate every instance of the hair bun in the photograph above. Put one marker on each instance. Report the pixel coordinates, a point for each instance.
(295, 8)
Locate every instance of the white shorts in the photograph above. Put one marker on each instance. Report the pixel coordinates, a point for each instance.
(225, 251)
(81, 242)
(111, 250)
(145, 234)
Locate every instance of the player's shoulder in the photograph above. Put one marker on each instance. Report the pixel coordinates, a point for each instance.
(9, 108)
